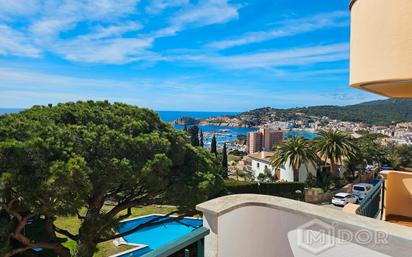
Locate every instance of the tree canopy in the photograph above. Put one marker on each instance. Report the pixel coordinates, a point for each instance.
(213, 145)
(334, 146)
(225, 168)
(296, 151)
(59, 160)
(193, 132)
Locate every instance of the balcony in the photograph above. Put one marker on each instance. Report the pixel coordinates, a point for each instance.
(398, 197)
(266, 226)
(381, 47)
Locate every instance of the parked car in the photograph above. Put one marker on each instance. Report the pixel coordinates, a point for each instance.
(361, 190)
(387, 167)
(342, 199)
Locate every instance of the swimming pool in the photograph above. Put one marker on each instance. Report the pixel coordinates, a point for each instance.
(156, 236)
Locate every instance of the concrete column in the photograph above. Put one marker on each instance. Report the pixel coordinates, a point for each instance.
(210, 221)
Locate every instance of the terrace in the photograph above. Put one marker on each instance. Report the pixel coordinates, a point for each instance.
(256, 225)
(266, 226)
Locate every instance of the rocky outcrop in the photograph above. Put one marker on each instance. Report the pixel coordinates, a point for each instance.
(186, 121)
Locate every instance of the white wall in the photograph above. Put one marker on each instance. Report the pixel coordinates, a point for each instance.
(265, 232)
(265, 226)
(258, 167)
(286, 172)
(255, 231)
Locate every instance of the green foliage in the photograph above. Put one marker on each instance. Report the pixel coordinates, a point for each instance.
(261, 177)
(333, 147)
(311, 181)
(291, 190)
(241, 139)
(225, 169)
(394, 160)
(6, 226)
(201, 139)
(405, 155)
(246, 174)
(193, 132)
(58, 160)
(237, 153)
(370, 149)
(266, 176)
(381, 112)
(213, 145)
(296, 151)
(324, 179)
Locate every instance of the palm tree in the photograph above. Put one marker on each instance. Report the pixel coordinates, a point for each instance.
(333, 146)
(296, 151)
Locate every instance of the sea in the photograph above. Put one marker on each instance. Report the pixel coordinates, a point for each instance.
(224, 134)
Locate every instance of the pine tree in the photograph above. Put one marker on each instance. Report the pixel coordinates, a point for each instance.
(194, 135)
(202, 144)
(225, 170)
(185, 127)
(213, 145)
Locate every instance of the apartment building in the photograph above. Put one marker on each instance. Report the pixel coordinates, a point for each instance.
(263, 140)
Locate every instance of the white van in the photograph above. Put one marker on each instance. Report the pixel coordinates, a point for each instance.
(361, 190)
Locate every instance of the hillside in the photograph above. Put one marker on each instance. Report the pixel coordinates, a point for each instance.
(379, 112)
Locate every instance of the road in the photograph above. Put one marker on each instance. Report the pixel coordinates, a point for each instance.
(331, 206)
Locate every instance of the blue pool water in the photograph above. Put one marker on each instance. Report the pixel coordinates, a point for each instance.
(156, 236)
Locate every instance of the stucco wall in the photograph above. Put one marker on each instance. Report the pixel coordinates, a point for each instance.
(398, 193)
(286, 173)
(266, 226)
(381, 46)
(257, 169)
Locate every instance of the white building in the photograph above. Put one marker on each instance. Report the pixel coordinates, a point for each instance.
(262, 161)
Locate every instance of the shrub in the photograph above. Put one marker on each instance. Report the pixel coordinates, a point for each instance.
(311, 181)
(291, 190)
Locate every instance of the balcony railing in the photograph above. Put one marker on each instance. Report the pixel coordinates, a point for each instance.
(370, 205)
(190, 245)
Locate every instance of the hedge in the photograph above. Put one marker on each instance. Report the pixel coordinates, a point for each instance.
(291, 190)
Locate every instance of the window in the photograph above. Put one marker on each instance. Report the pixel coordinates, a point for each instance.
(258, 165)
(358, 188)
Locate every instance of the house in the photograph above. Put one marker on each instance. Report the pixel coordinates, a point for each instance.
(261, 162)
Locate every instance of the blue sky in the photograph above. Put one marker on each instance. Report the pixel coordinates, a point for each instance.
(210, 55)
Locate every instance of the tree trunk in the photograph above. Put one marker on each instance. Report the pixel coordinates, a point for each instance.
(87, 242)
(333, 167)
(296, 175)
(62, 252)
(86, 246)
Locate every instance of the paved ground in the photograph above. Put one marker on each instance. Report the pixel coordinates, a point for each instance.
(331, 206)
